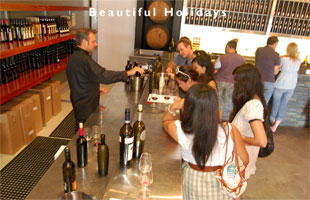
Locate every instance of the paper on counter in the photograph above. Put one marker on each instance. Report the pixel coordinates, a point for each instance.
(161, 99)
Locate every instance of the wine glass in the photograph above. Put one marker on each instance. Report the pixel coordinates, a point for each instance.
(87, 134)
(167, 94)
(145, 180)
(96, 135)
(145, 162)
(145, 175)
(154, 96)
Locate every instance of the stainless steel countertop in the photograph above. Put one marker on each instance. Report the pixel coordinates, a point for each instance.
(121, 182)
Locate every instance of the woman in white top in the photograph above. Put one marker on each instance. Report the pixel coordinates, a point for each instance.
(285, 84)
(249, 111)
(202, 138)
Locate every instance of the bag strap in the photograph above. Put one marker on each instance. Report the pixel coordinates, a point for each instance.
(238, 167)
(227, 143)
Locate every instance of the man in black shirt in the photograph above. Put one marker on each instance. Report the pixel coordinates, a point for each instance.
(85, 75)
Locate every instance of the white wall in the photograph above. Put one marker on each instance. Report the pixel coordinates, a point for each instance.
(116, 35)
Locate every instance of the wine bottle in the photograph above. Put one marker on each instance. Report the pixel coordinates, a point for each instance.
(127, 68)
(9, 37)
(171, 45)
(81, 148)
(103, 157)
(126, 139)
(139, 132)
(68, 172)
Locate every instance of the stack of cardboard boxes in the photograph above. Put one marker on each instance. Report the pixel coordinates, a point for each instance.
(23, 117)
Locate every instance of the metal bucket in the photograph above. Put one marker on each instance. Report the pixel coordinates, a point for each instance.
(75, 195)
(137, 83)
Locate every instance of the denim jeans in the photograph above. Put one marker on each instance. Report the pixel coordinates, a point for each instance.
(279, 103)
(268, 90)
(224, 94)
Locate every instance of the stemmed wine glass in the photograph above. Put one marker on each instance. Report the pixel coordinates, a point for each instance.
(96, 135)
(87, 134)
(154, 96)
(146, 175)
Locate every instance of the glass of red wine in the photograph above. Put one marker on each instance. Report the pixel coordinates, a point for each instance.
(96, 135)
(154, 96)
(167, 94)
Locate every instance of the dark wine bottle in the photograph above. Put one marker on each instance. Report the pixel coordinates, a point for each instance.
(68, 172)
(126, 139)
(139, 132)
(103, 157)
(81, 148)
(127, 68)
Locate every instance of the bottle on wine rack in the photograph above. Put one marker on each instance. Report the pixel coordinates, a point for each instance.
(229, 21)
(239, 21)
(234, 23)
(262, 27)
(81, 148)
(284, 8)
(8, 32)
(2, 32)
(237, 6)
(257, 24)
(68, 172)
(12, 27)
(139, 134)
(126, 139)
(103, 157)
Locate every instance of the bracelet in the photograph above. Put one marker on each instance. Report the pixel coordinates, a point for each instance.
(171, 112)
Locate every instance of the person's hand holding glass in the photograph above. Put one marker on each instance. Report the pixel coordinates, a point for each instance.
(146, 175)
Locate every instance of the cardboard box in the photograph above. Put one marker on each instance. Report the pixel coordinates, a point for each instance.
(45, 93)
(56, 95)
(11, 136)
(35, 98)
(24, 107)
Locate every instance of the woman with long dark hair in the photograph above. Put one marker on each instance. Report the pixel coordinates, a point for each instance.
(249, 112)
(202, 138)
(203, 65)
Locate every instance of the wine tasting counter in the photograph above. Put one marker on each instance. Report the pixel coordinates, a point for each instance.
(121, 182)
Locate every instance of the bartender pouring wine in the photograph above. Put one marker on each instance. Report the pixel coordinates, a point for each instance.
(85, 75)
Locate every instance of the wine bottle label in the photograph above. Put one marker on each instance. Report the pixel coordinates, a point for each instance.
(129, 140)
(130, 151)
(142, 136)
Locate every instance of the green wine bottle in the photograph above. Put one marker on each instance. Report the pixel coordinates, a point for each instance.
(103, 157)
(68, 172)
(139, 132)
(126, 139)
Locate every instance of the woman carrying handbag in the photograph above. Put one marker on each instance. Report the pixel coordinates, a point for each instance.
(249, 112)
(202, 138)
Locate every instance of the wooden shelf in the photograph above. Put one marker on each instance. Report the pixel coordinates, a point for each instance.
(31, 7)
(29, 80)
(17, 47)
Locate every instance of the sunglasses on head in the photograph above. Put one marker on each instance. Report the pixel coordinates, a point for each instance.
(178, 71)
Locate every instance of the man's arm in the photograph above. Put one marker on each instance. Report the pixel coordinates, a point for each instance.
(217, 65)
(108, 76)
(170, 67)
(277, 64)
(277, 69)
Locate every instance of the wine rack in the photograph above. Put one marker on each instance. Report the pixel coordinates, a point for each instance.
(17, 75)
(292, 18)
(250, 15)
